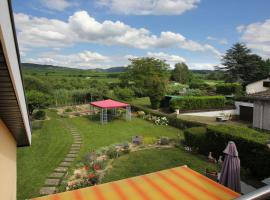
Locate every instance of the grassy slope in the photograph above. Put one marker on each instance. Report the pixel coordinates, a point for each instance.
(95, 135)
(138, 163)
(49, 146)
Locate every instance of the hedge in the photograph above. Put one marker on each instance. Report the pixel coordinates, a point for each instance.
(173, 121)
(194, 137)
(251, 144)
(194, 103)
(229, 88)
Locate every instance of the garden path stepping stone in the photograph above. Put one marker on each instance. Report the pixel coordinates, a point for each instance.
(69, 159)
(54, 179)
(61, 169)
(47, 190)
(52, 182)
(57, 175)
(73, 152)
(65, 164)
(78, 143)
(75, 145)
(71, 155)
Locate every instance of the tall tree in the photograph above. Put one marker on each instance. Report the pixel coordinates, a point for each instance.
(149, 76)
(180, 73)
(242, 66)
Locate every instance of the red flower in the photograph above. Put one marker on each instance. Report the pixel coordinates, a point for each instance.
(90, 176)
(96, 167)
(86, 167)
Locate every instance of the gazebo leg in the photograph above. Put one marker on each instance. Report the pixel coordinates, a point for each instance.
(101, 116)
(128, 113)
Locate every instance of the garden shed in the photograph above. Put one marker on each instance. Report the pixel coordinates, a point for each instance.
(109, 104)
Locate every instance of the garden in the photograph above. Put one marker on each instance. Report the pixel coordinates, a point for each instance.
(109, 152)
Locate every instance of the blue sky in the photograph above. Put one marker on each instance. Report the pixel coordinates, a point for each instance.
(105, 33)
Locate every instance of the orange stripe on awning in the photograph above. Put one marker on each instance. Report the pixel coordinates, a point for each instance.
(219, 186)
(172, 184)
(178, 187)
(138, 189)
(118, 191)
(158, 188)
(98, 193)
(209, 193)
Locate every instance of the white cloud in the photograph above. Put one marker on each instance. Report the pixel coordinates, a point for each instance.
(202, 66)
(84, 60)
(81, 27)
(58, 5)
(170, 59)
(149, 7)
(257, 37)
(219, 40)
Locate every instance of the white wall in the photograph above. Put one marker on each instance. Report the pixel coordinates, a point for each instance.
(212, 113)
(256, 87)
(240, 103)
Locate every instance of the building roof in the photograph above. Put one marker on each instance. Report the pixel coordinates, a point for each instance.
(13, 108)
(109, 104)
(176, 183)
(264, 95)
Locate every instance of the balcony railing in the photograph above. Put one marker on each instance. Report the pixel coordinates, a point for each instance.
(260, 194)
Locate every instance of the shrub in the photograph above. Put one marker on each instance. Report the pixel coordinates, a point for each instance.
(40, 115)
(68, 110)
(229, 88)
(125, 94)
(251, 144)
(198, 84)
(195, 136)
(112, 152)
(193, 103)
(172, 120)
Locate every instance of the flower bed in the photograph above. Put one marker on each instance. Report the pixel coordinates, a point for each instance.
(94, 165)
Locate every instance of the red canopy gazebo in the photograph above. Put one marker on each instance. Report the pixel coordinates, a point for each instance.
(104, 105)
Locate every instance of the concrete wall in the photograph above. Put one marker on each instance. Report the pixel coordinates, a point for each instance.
(7, 164)
(261, 115)
(256, 87)
(241, 103)
(212, 113)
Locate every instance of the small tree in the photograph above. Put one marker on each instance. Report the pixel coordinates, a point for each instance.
(180, 73)
(149, 76)
(37, 100)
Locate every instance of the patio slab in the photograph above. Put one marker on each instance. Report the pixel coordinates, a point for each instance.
(65, 164)
(71, 155)
(57, 175)
(52, 182)
(61, 169)
(74, 151)
(47, 190)
(69, 159)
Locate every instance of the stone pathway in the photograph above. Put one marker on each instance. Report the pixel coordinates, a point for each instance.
(55, 178)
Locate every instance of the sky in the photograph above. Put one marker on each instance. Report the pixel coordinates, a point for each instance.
(91, 34)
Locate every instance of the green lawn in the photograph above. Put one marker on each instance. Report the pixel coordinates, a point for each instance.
(144, 101)
(49, 146)
(147, 161)
(95, 135)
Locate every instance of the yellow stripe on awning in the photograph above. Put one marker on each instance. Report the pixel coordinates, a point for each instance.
(172, 184)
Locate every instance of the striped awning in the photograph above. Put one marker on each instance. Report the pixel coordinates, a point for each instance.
(172, 184)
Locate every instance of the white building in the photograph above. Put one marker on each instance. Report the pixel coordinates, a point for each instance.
(258, 86)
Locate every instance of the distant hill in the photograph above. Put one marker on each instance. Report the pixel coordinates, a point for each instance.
(38, 68)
